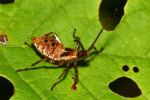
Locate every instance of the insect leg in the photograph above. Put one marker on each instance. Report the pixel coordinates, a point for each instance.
(54, 35)
(28, 44)
(97, 50)
(75, 82)
(61, 75)
(44, 59)
(77, 46)
(77, 39)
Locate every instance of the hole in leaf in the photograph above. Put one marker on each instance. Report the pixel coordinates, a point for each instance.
(136, 69)
(125, 87)
(106, 9)
(6, 1)
(125, 68)
(6, 89)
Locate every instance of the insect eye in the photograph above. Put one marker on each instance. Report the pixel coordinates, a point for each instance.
(45, 41)
(52, 44)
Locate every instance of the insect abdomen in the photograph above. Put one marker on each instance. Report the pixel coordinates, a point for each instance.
(48, 47)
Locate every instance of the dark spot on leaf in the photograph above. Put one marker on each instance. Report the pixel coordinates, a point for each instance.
(6, 89)
(52, 44)
(6, 1)
(3, 39)
(45, 41)
(136, 69)
(106, 9)
(125, 87)
(125, 68)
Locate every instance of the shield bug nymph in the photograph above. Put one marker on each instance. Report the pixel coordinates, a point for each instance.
(56, 53)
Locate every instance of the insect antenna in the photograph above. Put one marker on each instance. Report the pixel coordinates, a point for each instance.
(92, 46)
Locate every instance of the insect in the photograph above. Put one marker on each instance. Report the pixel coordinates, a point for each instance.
(3, 39)
(55, 52)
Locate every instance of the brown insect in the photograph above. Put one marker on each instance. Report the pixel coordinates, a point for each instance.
(55, 52)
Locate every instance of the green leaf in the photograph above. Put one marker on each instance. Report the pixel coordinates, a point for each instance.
(128, 45)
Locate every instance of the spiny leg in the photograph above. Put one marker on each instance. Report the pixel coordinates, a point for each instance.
(44, 59)
(75, 81)
(77, 39)
(61, 75)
